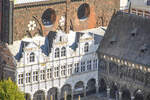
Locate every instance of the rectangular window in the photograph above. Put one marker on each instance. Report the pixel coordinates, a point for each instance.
(28, 77)
(56, 72)
(42, 75)
(20, 79)
(63, 70)
(35, 76)
(95, 64)
(70, 69)
(49, 73)
(89, 65)
(76, 67)
(82, 66)
(148, 2)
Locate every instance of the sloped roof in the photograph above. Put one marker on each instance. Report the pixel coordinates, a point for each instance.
(127, 37)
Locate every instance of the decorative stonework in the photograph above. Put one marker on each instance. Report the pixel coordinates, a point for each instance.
(31, 25)
(62, 21)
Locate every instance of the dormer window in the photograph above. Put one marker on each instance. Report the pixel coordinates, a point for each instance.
(86, 47)
(63, 51)
(113, 40)
(32, 57)
(56, 52)
(144, 48)
(134, 32)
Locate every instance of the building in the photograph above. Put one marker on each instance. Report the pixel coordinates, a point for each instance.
(140, 7)
(52, 45)
(57, 63)
(124, 67)
(49, 14)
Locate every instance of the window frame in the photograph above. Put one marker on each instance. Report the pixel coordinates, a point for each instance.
(63, 51)
(57, 53)
(86, 47)
(32, 57)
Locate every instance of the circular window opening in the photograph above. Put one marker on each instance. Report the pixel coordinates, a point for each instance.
(48, 17)
(83, 11)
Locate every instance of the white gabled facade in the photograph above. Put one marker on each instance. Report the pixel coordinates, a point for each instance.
(65, 59)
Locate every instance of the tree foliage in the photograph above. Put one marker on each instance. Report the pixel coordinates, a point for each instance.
(10, 91)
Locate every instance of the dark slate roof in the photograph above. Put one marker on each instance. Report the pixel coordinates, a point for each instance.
(22, 46)
(74, 46)
(51, 37)
(127, 37)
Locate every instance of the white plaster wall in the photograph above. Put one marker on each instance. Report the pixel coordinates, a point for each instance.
(123, 4)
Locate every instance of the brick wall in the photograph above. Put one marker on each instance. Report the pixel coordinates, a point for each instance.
(100, 14)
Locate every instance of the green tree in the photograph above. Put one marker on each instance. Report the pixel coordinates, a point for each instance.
(10, 91)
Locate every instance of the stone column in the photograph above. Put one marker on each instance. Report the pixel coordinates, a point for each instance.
(108, 93)
(97, 87)
(120, 95)
(45, 95)
(72, 94)
(84, 91)
(31, 96)
(132, 96)
(58, 94)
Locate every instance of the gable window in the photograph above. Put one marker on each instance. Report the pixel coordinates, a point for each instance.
(20, 79)
(63, 70)
(56, 72)
(82, 66)
(42, 76)
(49, 73)
(69, 69)
(56, 52)
(76, 67)
(63, 51)
(89, 65)
(95, 62)
(32, 57)
(35, 76)
(86, 47)
(28, 77)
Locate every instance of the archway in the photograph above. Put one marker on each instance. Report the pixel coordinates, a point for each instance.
(49, 17)
(83, 11)
(52, 92)
(138, 95)
(39, 95)
(148, 97)
(114, 91)
(79, 89)
(91, 88)
(27, 96)
(102, 87)
(126, 95)
(66, 91)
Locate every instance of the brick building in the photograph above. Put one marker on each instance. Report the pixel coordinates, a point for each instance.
(19, 13)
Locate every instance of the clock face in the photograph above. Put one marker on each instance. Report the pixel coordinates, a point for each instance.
(26, 1)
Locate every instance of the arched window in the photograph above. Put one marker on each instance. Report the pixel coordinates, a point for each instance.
(56, 52)
(86, 47)
(63, 51)
(32, 57)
